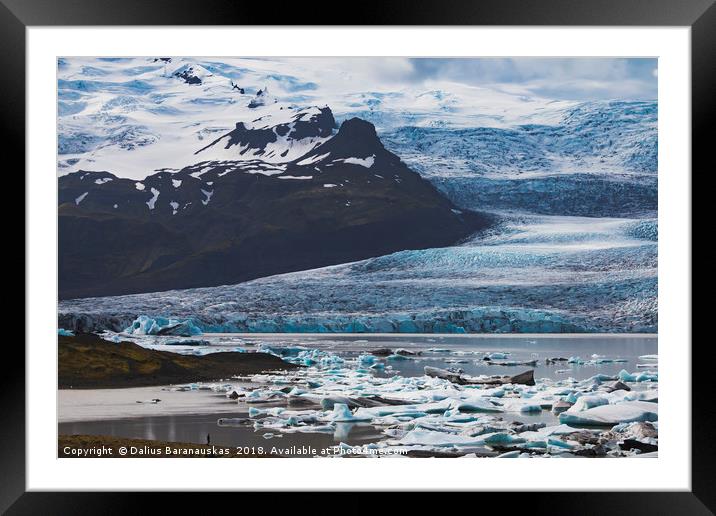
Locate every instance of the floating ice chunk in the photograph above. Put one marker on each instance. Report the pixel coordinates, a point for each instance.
(102, 180)
(649, 357)
(139, 186)
(434, 438)
(80, 198)
(607, 415)
(645, 376)
(522, 405)
(545, 432)
(651, 395)
(597, 379)
(65, 333)
(587, 402)
(575, 360)
(366, 359)
(502, 438)
(606, 360)
(475, 404)
(341, 413)
(531, 407)
(176, 183)
(296, 177)
(175, 206)
(559, 443)
(397, 357)
(496, 356)
(329, 185)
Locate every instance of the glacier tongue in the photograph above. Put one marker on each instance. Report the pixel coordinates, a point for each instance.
(538, 274)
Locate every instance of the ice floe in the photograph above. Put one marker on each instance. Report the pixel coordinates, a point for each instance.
(600, 416)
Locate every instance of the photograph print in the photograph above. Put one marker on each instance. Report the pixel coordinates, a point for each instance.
(357, 257)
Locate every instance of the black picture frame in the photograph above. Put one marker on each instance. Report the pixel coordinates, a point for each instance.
(17, 15)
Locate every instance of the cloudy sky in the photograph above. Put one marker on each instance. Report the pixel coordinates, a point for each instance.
(564, 79)
(555, 78)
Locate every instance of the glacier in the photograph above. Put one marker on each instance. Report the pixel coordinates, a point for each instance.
(599, 160)
(540, 274)
(574, 185)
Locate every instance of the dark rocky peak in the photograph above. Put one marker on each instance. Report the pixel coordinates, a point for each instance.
(191, 74)
(358, 128)
(356, 138)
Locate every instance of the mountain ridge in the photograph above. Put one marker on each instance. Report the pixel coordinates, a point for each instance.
(224, 222)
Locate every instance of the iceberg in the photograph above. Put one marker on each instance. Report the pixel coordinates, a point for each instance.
(144, 325)
(608, 415)
(587, 402)
(341, 413)
(645, 376)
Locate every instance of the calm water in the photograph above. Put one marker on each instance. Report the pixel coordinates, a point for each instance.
(195, 428)
(466, 352)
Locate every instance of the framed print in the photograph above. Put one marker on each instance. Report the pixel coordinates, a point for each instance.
(454, 231)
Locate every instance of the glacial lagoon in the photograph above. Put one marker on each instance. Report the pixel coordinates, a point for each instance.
(325, 403)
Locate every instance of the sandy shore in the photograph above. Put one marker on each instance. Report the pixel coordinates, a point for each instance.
(107, 404)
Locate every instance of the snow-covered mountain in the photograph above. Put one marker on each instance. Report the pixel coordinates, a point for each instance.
(233, 170)
(136, 115)
(225, 221)
(485, 148)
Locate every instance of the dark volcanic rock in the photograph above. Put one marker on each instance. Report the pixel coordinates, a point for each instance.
(188, 76)
(633, 444)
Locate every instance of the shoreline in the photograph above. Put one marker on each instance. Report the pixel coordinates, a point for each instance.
(87, 361)
(383, 397)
